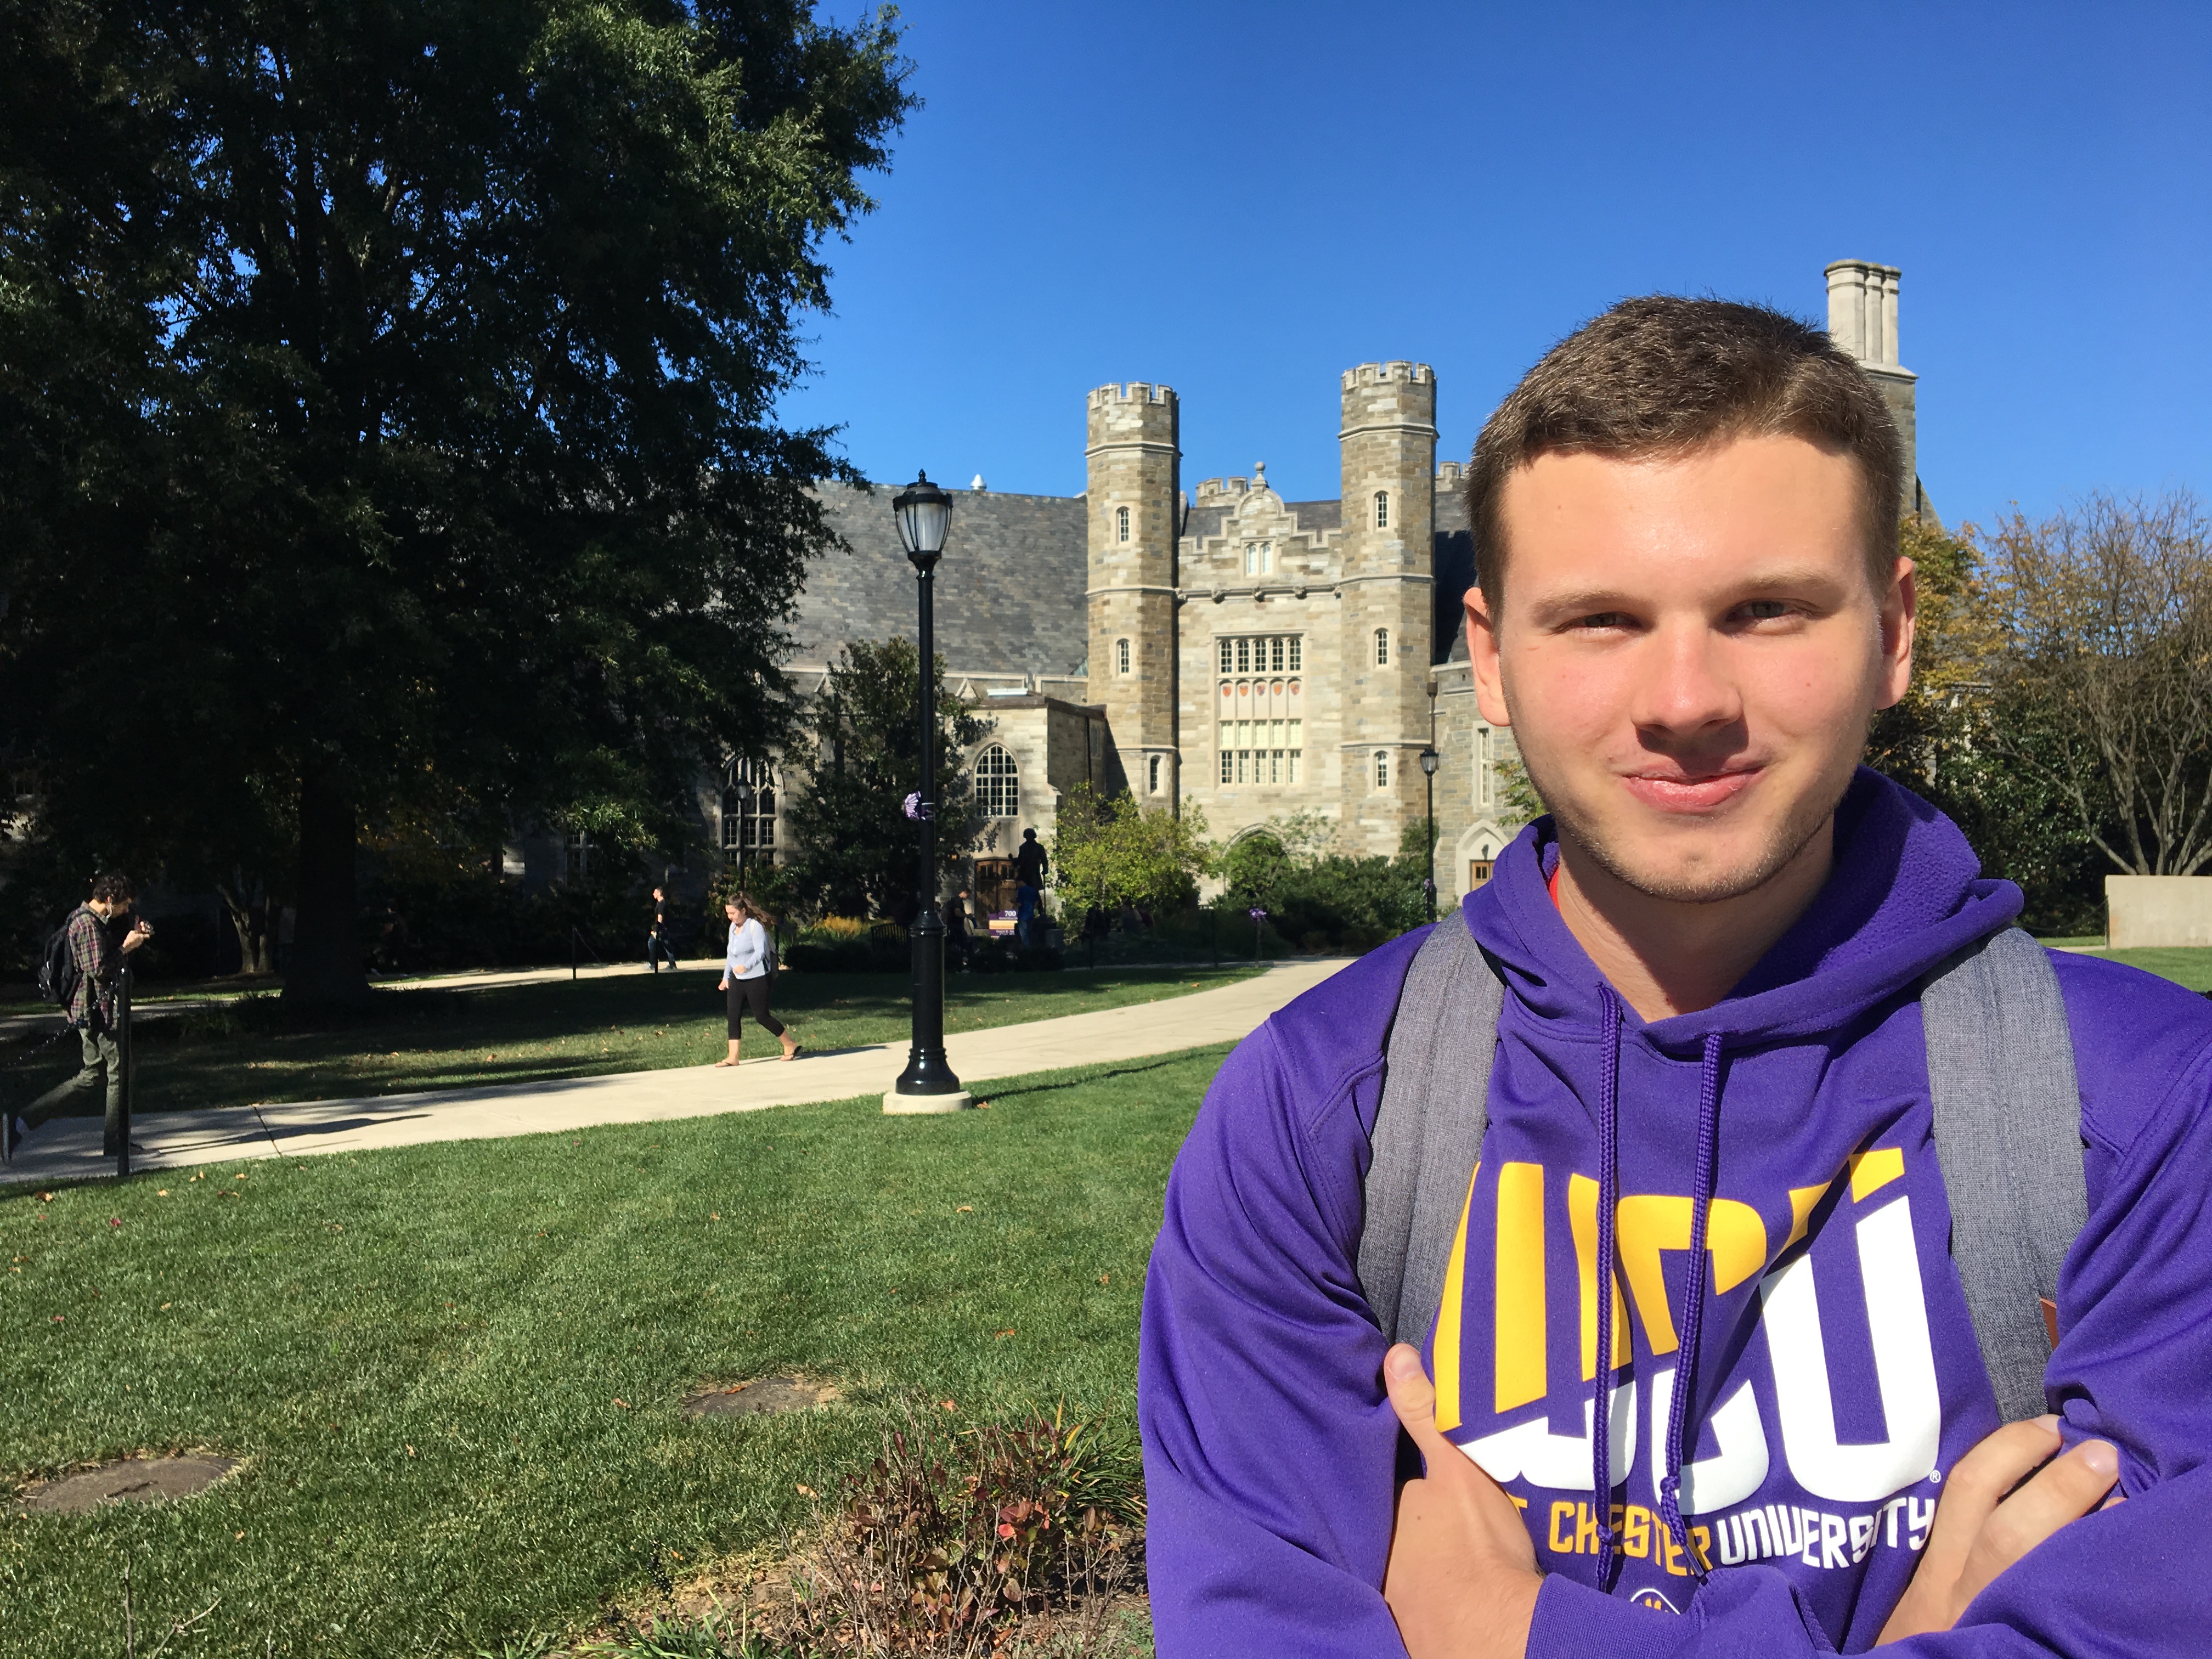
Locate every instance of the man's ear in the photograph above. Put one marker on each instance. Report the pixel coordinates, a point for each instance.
(1900, 609)
(1483, 659)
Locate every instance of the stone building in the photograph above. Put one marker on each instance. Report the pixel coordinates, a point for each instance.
(1221, 645)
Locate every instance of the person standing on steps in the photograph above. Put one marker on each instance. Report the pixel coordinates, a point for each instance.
(97, 945)
(748, 970)
(656, 946)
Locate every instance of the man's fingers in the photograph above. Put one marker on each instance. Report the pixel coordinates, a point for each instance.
(1413, 1397)
(1980, 1481)
(2066, 1490)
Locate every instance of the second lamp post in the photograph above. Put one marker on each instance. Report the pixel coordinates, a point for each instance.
(924, 513)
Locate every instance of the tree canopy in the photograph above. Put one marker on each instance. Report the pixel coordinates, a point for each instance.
(387, 415)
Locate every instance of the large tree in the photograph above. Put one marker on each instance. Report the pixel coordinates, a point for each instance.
(387, 424)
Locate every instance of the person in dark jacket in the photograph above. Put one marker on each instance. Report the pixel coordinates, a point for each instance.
(657, 945)
(99, 940)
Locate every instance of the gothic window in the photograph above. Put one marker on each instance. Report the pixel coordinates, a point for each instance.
(997, 785)
(1243, 656)
(1381, 647)
(1275, 656)
(1269, 753)
(1258, 558)
(1382, 768)
(1381, 509)
(1228, 654)
(1152, 775)
(749, 809)
(1121, 656)
(1121, 524)
(1295, 643)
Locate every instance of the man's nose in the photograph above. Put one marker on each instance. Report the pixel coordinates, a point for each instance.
(1685, 688)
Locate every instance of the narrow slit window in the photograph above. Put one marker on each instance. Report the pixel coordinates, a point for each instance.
(1121, 524)
(1381, 509)
(1381, 770)
(1152, 774)
(1121, 656)
(1381, 647)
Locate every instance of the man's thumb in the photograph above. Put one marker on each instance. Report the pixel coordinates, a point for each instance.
(1413, 1397)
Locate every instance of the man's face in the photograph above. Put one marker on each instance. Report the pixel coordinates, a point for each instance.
(1689, 653)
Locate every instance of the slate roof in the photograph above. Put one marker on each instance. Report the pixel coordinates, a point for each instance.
(1010, 592)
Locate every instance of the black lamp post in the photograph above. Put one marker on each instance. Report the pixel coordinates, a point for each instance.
(1429, 775)
(744, 791)
(923, 513)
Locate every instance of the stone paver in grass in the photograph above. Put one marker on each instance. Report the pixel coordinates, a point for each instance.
(125, 1480)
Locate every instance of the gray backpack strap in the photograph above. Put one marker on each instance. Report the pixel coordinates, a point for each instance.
(2008, 1137)
(1428, 1130)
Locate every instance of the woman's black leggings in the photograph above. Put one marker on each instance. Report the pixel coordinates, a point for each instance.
(752, 994)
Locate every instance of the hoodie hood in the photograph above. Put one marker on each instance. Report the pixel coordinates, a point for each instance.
(1906, 893)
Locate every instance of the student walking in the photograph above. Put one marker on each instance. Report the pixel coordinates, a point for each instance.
(746, 976)
(657, 947)
(97, 945)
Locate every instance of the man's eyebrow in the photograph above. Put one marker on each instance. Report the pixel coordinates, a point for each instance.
(1768, 579)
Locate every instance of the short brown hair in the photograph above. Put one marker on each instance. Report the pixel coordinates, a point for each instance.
(112, 887)
(1662, 375)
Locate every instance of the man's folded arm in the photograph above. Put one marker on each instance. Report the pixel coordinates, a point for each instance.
(1269, 1449)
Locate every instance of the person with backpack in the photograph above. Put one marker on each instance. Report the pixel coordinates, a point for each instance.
(1726, 1233)
(749, 972)
(78, 970)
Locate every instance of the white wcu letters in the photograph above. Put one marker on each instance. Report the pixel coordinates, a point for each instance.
(1905, 1367)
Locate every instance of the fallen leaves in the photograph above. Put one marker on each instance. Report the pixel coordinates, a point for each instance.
(164, 1192)
(46, 1198)
(115, 1221)
(1006, 1332)
(948, 1405)
(411, 1452)
(965, 1209)
(805, 1490)
(623, 1403)
(1103, 1278)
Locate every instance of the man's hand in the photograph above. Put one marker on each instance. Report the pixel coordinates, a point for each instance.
(1462, 1577)
(1977, 1536)
(137, 936)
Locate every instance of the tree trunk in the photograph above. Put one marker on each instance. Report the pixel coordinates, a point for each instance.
(249, 920)
(326, 969)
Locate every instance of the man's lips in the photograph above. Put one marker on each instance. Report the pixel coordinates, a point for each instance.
(1674, 792)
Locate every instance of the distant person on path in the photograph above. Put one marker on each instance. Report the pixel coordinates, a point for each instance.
(745, 974)
(656, 941)
(96, 955)
(1029, 860)
(955, 931)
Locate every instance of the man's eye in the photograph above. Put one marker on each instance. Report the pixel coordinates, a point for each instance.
(1601, 619)
(1765, 610)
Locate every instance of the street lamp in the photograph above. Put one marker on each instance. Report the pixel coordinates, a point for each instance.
(1429, 779)
(744, 791)
(923, 513)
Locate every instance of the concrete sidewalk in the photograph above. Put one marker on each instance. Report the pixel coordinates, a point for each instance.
(69, 1148)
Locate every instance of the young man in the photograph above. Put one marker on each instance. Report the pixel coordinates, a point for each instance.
(1708, 967)
(93, 949)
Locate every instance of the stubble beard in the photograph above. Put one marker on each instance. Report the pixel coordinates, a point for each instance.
(1791, 837)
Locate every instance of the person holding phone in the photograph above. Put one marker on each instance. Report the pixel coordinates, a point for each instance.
(98, 942)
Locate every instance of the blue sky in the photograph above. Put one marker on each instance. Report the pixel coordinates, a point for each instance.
(1243, 200)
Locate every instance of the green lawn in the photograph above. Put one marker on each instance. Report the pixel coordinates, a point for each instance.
(455, 1368)
(257, 1050)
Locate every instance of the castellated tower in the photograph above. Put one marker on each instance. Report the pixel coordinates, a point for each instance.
(1133, 458)
(1389, 444)
(1863, 320)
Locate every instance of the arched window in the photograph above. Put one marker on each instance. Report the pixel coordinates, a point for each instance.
(1382, 768)
(749, 809)
(1258, 558)
(1121, 524)
(1152, 775)
(1121, 656)
(1381, 647)
(1381, 509)
(997, 785)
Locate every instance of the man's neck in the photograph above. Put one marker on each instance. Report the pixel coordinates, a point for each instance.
(1665, 956)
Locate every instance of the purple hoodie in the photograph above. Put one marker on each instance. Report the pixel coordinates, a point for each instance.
(1835, 1373)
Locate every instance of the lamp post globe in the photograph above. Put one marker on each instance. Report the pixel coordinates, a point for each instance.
(923, 514)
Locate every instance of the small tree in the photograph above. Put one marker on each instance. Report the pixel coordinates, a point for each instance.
(1108, 851)
(857, 844)
(2103, 689)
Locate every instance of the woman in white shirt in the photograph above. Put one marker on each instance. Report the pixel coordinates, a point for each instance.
(746, 976)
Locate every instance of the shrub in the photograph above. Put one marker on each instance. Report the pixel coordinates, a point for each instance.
(949, 1540)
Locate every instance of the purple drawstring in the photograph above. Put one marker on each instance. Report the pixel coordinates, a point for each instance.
(1608, 1201)
(1693, 1300)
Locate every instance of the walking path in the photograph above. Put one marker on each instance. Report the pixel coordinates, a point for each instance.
(68, 1148)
